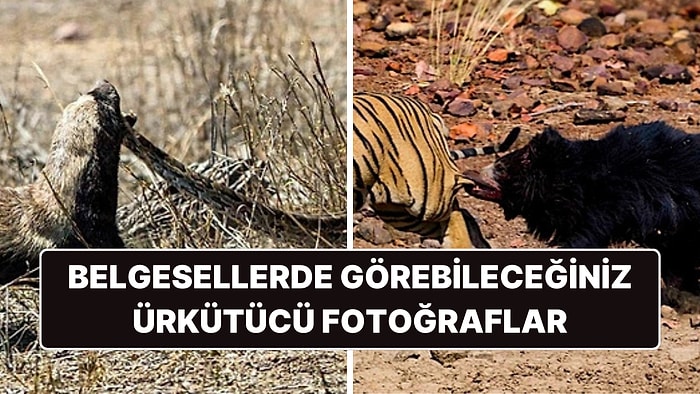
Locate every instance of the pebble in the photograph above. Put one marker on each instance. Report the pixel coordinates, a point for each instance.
(572, 16)
(461, 107)
(610, 89)
(591, 116)
(571, 38)
(695, 321)
(668, 73)
(684, 51)
(654, 26)
(449, 356)
(636, 15)
(373, 231)
(620, 19)
(69, 32)
(610, 41)
(599, 54)
(608, 8)
(380, 23)
(512, 82)
(562, 63)
(399, 30)
(564, 85)
(615, 103)
(499, 55)
(592, 27)
(372, 49)
(668, 105)
(360, 8)
(668, 313)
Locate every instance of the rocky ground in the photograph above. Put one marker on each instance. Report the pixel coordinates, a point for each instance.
(580, 66)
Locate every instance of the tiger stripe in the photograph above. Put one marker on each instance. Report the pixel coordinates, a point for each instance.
(402, 167)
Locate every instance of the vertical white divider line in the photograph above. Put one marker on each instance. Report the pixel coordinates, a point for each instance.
(349, 358)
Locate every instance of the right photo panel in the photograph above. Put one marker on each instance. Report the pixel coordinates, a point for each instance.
(499, 124)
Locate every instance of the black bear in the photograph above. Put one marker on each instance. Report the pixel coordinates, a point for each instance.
(638, 183)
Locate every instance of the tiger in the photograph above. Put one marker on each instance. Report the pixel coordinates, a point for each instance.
(403, 169)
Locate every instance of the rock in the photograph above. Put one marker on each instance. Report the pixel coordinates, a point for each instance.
(571, 38)
(592, 27)
(404, 355)
(591, 116)
(599, 54)
(684, 353)
(668, 313)
(373, 231)
(463, 131)
(522, 100)
(610, 41)
(668, 105)
(448, 356)
(654, 26)
(461, 107)
(380, 23)
(535, 81)
(529, 63)
(512, 82)
(564, 85)
(572, 16)
(70, 31)
(430, 243)
(695, 321)
(417, 5)
(637, 15)
(619, 20)
(562, 63)
(361, 8)
(499, 55)
(641, 87)
(363, 70)
(372, 49)
(668, 73)
(608, 8)
(398, 30)
(589, 74)
(501, 108)
(610, 89)
(676, 23)
(684, 51)
(634, 57)
(615, 104)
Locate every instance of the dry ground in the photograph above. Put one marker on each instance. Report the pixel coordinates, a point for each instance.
(532, 46)
(167, 59)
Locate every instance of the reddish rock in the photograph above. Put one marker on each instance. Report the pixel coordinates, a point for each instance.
(684, 51)
(562, 63)
(499, 55)
(610, 89)
(654, 26)
(461, 107)
(372, 49)
(572, 16)
(610, 41)
(571, 38)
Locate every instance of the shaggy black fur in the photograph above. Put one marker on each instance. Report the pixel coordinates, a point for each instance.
(638, 183)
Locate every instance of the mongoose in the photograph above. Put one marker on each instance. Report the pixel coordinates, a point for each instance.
(74, 201)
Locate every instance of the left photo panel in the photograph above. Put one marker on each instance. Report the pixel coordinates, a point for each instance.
(214, 124)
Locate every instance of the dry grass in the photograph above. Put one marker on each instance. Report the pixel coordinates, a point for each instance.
(213, 85)
(475, 25)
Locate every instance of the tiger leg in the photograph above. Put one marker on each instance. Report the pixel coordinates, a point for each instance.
(463, 231)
